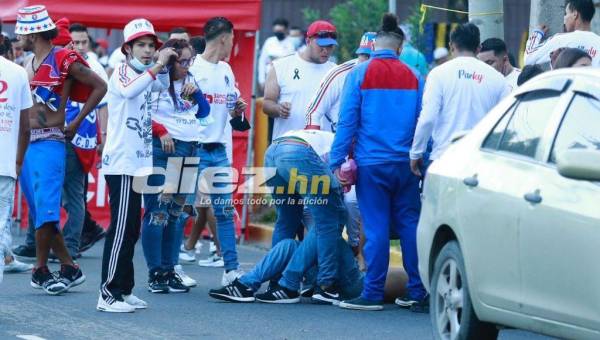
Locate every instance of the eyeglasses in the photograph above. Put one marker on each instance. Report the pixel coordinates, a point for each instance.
(325, 34)
(185, 62)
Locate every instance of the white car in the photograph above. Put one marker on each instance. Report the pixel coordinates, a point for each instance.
(509, 233)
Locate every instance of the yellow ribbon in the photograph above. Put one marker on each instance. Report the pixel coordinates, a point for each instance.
(425, 7)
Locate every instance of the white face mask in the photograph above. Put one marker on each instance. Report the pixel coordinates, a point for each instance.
(296, 41)
(138, 65)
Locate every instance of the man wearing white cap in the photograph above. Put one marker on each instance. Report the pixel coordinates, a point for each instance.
(55, 75)
(127, 158)
(440, 56)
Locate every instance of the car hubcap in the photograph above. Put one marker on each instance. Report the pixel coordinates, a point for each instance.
(449, 300)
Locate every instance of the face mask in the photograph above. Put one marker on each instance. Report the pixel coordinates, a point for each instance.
(296, 41)
(138, 65)
(280, 35)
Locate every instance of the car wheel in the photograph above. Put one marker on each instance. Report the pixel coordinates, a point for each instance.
(452, 314)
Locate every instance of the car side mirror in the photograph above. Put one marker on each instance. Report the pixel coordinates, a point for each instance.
(583, 164)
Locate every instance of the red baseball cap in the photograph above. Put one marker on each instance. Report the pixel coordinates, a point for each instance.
(324, 32)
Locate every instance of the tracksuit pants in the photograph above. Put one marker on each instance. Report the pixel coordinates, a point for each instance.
(389, 200)
(122, 234)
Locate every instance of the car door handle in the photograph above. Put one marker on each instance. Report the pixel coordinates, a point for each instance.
(533, 197)
(471, 181)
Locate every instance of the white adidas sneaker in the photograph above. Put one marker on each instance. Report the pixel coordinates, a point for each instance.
(115, 307)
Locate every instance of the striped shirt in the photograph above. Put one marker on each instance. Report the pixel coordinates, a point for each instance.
(323, 111)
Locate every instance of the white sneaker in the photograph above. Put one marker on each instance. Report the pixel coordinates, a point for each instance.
(17, 266)
(229, 277)
(198, 247)
(185, 255)
(135, 301)
(214, 261)
(212, 248)
(115, 307)
(187, 281)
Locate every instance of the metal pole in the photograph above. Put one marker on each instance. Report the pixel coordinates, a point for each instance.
(250, 149)
(488, 16)
(392, 6)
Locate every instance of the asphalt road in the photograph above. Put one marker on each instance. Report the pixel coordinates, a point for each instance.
(27, 313)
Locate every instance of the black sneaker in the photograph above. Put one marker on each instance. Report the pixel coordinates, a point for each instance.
(89, 239)
(421, 306)
(235, 292)
(70, 276)
(175, 284)
(24, 251)
(361, 304)
(41, 278)
(158, 283)
(307, 292)
(279, 294)
(327, 295)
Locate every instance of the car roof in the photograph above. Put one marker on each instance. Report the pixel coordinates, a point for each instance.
(573, 73)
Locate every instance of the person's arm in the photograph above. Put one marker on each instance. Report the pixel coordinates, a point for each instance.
(432, 106)
(24, 132)
(272, 90)
(537, 52)
(84, 75)
(348, 121)
(324, 99)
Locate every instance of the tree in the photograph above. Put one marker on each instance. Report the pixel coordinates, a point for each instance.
(352, 18)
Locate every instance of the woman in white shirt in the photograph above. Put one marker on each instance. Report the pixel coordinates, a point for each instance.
(175, 113)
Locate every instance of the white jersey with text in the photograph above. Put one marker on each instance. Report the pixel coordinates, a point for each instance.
(298, 81)
(537, 52)
(217, 82)
(128, 148)
(324, 107)
(14, 97)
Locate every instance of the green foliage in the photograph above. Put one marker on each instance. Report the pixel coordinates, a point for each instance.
(414, 23)
(352, 18)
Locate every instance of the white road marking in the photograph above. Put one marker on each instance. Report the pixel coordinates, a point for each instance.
(29, 337)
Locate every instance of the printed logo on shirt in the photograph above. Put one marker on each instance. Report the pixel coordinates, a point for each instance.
(216, 98)
(296, 74)
(590, 51)
(478, 77)
(227, 80)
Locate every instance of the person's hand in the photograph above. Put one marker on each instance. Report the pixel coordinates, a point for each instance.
(165, 55)
(415, 166)
(100, 148)
(284, 110)
(188, 89)
(167, 143)
(240, 108)
(342, 180)
(544, 28)
(70, 130)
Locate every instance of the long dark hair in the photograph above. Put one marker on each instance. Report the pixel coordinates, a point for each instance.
(569, 56)
(179, 45)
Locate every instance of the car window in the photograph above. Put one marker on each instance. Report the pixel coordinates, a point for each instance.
(580, 128)
(528, 122)
(492, 140)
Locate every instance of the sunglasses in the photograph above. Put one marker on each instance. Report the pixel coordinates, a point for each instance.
(325, 34)
(185, 62)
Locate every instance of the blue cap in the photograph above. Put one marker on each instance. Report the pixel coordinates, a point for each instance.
(326, 42)
(366, 43)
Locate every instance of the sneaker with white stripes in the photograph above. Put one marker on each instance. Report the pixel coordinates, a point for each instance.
(135, 301)
(188, 281)
(279, 294)
(115, 307)
(235, 292)
(230, 276)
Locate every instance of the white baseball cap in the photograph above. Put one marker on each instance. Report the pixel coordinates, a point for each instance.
(440, 52)
(137, 28)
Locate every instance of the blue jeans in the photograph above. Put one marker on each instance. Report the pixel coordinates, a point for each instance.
(162, 211)
(297, 162)
(221, 203)
(388, 197)
(73, 200)
(296, 259)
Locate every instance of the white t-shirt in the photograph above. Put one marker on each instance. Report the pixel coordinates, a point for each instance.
(116, 57)
(319, 140)
(538, 53)
(272, 49)
(180, 120)
(216, 82)
(511, 78)
(457, 95)
(324, 107)
(128, 148)
(14, 97)
(298, 81)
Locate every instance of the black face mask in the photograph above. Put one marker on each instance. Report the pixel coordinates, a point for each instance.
(280, 35)
(239, 125)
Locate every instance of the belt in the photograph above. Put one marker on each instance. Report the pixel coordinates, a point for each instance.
(291, 140)
(53, 133)
(209, 146)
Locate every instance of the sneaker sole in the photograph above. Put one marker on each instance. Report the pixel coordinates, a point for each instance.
(190, 285)
(173, 290)
(283, 302)
(110, 310)
(77, 282)
(318, 298)
(229, 298)
(212, 264)
(404, 304)
(35, 285)
(360, 307)
(49, 292)
(158, 291)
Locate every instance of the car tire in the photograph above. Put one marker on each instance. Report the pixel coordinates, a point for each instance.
(451, 310)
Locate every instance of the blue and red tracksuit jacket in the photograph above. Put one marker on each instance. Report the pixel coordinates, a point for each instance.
(380, 104)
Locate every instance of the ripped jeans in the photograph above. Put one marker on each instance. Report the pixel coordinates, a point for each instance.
(162, 210)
